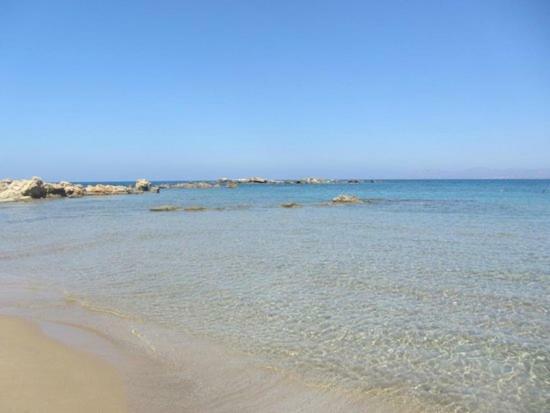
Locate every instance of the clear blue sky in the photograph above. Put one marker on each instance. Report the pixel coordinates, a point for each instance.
(203, 89)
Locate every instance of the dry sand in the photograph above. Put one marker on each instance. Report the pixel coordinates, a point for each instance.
(38, 374)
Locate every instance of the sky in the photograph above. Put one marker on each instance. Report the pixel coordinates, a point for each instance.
(166, 89)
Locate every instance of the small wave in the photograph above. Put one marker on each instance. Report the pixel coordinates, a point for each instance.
(144, 340)
(72, 299)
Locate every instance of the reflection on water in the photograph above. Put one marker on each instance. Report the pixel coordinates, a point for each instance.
(436, 292)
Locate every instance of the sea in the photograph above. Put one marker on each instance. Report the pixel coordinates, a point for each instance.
(430, 295)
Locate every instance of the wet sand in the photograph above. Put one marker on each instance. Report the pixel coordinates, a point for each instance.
(38, 374)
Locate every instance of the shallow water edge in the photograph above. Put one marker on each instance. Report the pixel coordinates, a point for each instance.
(204, 377)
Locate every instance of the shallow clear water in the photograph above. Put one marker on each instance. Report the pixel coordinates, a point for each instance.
(437, 291)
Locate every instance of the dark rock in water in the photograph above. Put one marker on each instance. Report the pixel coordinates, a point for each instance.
(143, 185)
(290, 205)
(165, 208)
(353, 181)
(257, 180)
(55, 190)
(231, 184)
(34, 188)
(346, 199)
(194, 208)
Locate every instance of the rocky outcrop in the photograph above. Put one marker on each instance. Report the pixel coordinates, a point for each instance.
(346, 199)
(314, 181)
(252, 180)
(22, 189)
(35, 188)
(290, 205)
(101, 189)
(143, 185)
(257, 180)
(64, 189)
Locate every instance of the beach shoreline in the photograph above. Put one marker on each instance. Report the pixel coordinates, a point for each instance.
(40, 374)
(208, 378)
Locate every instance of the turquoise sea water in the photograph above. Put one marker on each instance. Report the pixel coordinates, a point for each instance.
(432, 291)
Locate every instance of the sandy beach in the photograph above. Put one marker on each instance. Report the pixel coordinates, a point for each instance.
(38, 374)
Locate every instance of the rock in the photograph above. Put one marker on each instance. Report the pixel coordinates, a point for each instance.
(314, 181)
(55, 190)
(72, 190)
(34, 188)
(194, 185)
(143, 185)
(165, 208)
(101, 189)
(290, 205)
(203, 185)
(11, 192)
(22, 189)
(231, 184)
(194, 208)
(252, 180)
(310, 181)
(346, 199)
(257, 180)
(4, 183)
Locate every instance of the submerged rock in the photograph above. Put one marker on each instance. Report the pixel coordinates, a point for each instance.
(194, 208)
(165, 208)
(290, 205)
(346, 199)
(194, 185)
(231, 184)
